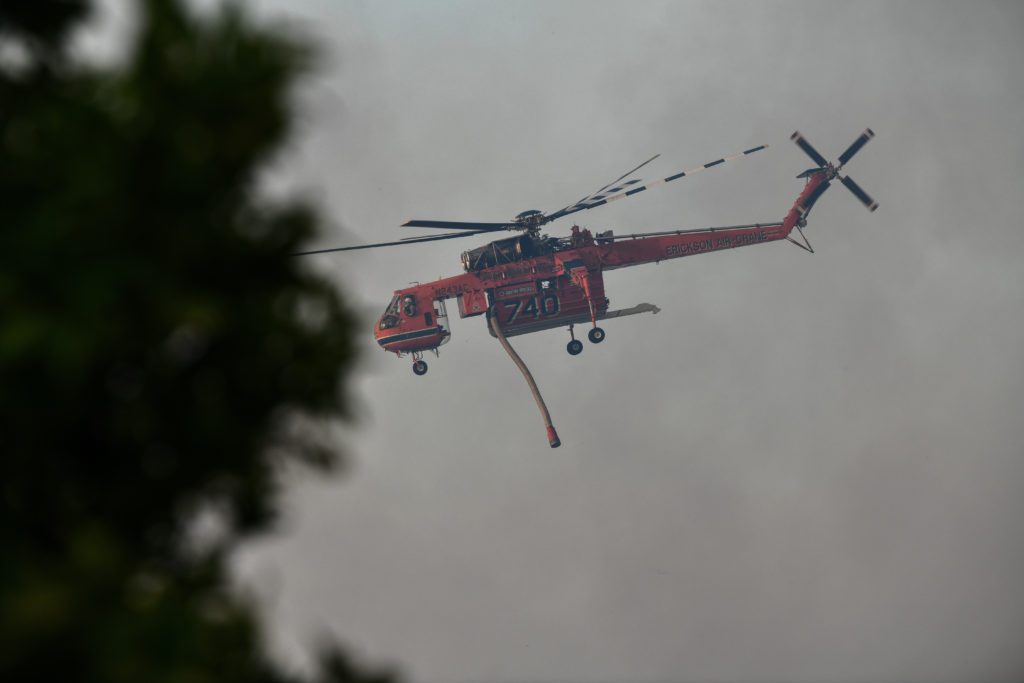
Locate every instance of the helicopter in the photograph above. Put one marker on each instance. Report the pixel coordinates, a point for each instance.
(532, 282)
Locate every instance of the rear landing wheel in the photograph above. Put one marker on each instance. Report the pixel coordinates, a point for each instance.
(419, 367)
(574, 347)
(596, 335)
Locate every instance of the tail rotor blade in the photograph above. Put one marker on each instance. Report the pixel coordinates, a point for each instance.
(806, 147)
(857, 144)
(859, 193)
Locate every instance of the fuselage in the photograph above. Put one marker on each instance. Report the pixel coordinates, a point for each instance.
(532, 282)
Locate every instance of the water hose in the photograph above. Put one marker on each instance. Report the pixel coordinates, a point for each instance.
(552, 434)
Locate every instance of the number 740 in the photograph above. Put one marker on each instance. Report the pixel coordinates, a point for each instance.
(545, 306)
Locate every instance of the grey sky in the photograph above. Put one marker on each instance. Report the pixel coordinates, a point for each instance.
(805, 468)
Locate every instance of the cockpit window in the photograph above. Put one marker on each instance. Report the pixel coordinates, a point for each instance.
(390, 317)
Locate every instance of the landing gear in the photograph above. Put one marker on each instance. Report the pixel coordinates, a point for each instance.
(596, 335)
(419, 366)
(574, 347)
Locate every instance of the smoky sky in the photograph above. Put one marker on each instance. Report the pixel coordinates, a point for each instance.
(804, 468)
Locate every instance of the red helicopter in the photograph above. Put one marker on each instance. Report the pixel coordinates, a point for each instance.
(532, 282)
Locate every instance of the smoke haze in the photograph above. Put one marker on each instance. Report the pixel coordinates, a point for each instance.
(805, 468)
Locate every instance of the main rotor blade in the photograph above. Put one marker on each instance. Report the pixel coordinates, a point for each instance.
(654, 183)
(855, 147)
(624, 175)
(859, 193)
(692, 231)
(422, 238)
(629, 172)
(806, 147)
(412, 240)
(457, 225)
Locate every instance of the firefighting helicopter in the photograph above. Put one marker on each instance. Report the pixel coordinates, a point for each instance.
(532, 282)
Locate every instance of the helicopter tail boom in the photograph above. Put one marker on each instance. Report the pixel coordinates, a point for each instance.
(620, 251)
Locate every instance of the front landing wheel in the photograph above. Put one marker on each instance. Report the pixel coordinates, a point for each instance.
(419, 367)
(575, 347)
(596, 335)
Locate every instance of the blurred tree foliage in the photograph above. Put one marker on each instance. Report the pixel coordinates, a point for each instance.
(161, 355)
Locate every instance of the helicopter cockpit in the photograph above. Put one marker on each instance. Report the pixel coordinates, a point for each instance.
(401, 305)
(389, 318)
(413, 324)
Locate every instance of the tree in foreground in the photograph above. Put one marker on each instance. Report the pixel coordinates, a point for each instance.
(161, 355)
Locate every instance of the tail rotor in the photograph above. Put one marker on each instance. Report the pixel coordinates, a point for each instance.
(832, 170)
